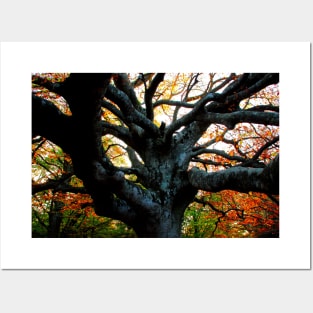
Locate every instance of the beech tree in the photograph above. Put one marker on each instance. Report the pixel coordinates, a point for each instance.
(145, 144)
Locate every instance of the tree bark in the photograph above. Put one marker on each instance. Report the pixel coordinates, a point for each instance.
(55, 219)
(241, 179)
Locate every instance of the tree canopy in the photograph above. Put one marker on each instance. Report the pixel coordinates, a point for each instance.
(155, 154)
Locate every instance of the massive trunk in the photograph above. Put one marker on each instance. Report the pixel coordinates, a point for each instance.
(165, 175)
(166, 220)
(166, 225)
(156, 207)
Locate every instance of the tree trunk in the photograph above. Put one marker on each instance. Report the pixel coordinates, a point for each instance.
(167, 221)
(55, 218)
(167, 225)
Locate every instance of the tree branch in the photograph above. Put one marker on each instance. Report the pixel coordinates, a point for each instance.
(123, 83)
(190, 117)
(150, 93)
(218, 152)
(124, 189)
(244, 87)
(224, 83)
(49, 122)
(174, 103)
(117, 131)
(264, 147)
(60, 184)
(131, 115)
(265, 81)
(240, 179)
(231, 119)
(113, 109)
(259, 108)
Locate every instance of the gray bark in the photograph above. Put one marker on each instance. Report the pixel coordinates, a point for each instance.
(239, 178)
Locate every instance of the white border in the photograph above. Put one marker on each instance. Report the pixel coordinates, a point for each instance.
(20, 251)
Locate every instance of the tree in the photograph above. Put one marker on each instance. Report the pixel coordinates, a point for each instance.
(145, 144)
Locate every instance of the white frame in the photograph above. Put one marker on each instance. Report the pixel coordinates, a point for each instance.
(290, 251)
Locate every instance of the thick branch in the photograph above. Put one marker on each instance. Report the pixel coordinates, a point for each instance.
(123, 83)
(265, 81)
(236, 85)
(190, 117)
(240, 179)
(131, 115)
(113, 109)
(246, 86)
(83, 93)
(231, 119)
(49, 122)
(218, 152)
(117, 131)
(150, 93)
(126, 190)
(60, 184)
(174, 103)
(262, 108)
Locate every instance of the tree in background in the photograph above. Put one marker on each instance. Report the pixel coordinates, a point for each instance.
(142, 148)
